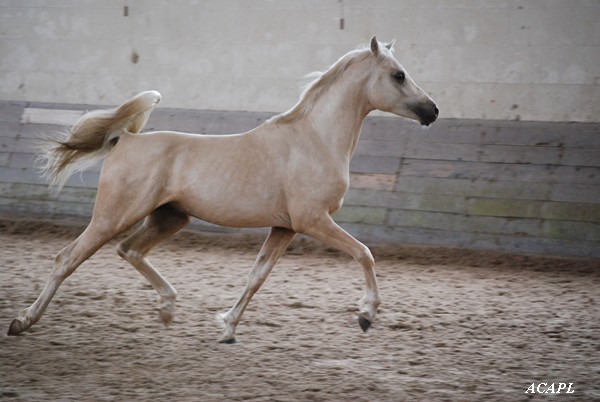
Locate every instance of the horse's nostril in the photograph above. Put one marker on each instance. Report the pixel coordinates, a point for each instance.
(427, 113)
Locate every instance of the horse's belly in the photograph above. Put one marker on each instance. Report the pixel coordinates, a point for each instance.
(236, 211)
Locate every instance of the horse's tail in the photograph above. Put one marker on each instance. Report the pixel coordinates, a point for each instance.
(92, 137)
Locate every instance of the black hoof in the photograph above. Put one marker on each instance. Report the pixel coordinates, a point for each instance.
(364, 323)
(16, 327)
(229, 341)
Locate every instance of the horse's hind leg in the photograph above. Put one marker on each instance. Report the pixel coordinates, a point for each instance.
(159, 225)
(65, 264)
(273, 247)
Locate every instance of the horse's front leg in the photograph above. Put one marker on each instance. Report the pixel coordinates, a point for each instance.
(327, 231)
(272, 249)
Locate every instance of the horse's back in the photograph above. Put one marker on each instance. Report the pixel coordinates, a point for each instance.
(229, 180)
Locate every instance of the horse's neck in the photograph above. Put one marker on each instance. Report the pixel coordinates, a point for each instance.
(338, 116)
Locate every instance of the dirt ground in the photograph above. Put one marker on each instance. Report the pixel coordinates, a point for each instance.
(453, 325)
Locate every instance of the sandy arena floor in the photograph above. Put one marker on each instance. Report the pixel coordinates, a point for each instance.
(453, 325)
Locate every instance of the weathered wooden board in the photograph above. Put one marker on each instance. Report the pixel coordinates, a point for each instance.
(475, 188)
(373, 234)
(373, 181)
(500, 171)
(60, 117)
(503, 185)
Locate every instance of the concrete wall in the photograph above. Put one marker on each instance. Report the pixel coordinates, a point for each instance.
(480, 59)
(512, 186)
(495, 172)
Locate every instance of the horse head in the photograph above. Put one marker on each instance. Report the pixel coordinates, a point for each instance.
(391, 89)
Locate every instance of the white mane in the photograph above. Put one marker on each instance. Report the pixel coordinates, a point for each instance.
(322, 83)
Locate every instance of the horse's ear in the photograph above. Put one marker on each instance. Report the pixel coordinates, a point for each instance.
(390, 46)
(375, 46)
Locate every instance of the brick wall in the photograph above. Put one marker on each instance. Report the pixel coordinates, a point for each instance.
(502, 185)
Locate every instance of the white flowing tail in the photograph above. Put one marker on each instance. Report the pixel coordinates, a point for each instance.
(92, 137)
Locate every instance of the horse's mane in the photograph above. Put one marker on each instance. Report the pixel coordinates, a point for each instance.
(319, 86)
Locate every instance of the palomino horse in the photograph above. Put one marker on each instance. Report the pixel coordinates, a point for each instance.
(290, 174)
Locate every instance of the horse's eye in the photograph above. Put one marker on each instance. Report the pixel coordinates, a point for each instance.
(400, 76)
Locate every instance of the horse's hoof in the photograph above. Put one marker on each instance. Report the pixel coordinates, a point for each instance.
(364, 323)
(167, 310)
(166, 316)
(16, 327)
(229, 341)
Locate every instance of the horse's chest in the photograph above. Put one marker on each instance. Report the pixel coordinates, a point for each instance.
(323, 187)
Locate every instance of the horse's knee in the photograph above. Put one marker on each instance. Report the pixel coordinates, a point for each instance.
(365, 257)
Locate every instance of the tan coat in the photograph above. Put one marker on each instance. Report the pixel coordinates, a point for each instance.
(290, 174)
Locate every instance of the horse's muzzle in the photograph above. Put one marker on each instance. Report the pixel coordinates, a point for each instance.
(427, 113)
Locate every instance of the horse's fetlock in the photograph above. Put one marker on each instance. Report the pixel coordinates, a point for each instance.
(168, 298)
(376, 303)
